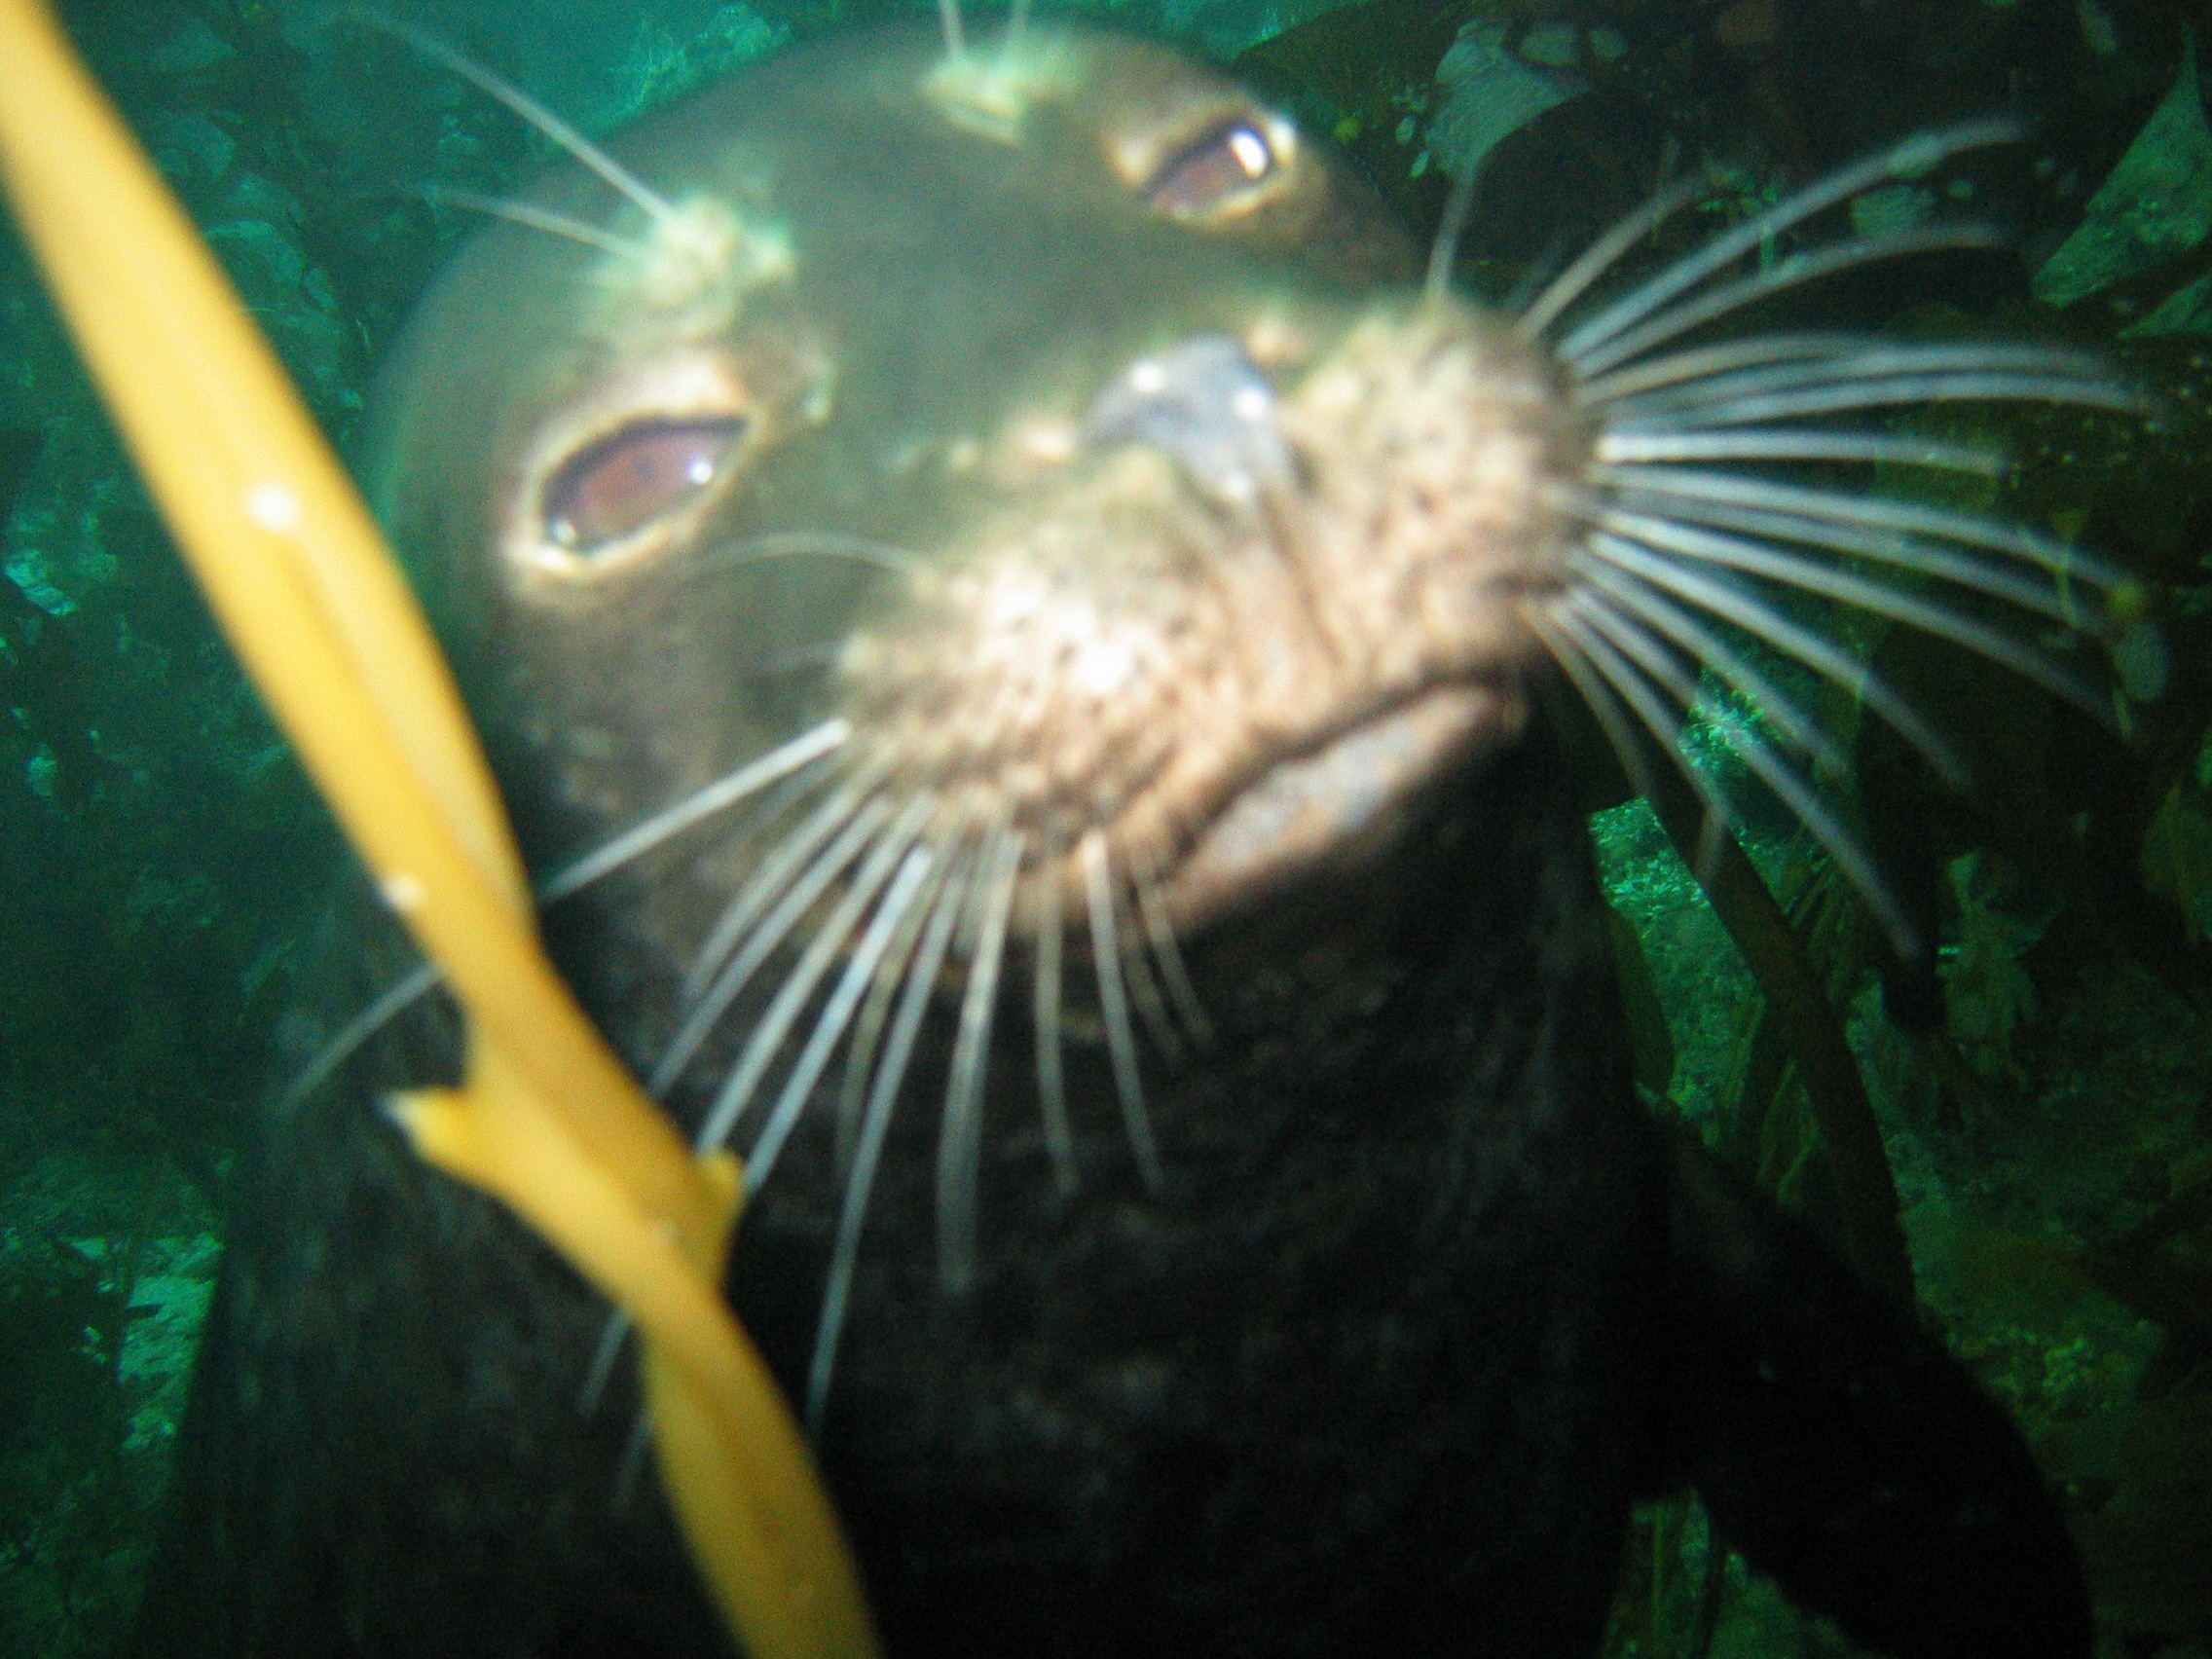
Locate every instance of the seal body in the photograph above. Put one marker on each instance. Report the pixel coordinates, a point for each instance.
(1046, 454)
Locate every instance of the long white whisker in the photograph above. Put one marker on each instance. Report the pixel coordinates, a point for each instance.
(1698, 363)
(1652, 713)
(813, 543)
(836, 1012)
(1446, 247)
(1910, 159)
(1632, 446)
(714, 1002)
(724, 792)
(1869, 360)
(561, 133)
(601, 1371)
(959, 1147)
(401, 995)
(670, 821)
(1143, 990)
(1605, 253)
(1735, 604)
(770, 880)
(921, 981)
(1879, 540)
(1755, 751)
(767, 1038)
(1896, 392)
(1784, 274)
(1052, 1078)
(1113, 1006)
(1811, 575)
(1159, 932)
(949, 20)
(867, 1031)
(532, 217)
(1656, 610)
(1599, 698)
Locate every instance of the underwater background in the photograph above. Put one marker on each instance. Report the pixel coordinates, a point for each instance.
(2044, 1095)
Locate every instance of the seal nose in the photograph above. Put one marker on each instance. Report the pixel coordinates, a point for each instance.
(1207, 404)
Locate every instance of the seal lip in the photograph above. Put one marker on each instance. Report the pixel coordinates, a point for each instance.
(1340, 800)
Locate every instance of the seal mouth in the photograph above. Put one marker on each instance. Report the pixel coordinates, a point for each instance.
(1338, 802)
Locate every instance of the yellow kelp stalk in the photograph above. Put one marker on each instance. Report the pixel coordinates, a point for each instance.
(547, 1119)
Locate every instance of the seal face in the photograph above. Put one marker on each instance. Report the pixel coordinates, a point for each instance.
(1028, 491)
(1090, 350)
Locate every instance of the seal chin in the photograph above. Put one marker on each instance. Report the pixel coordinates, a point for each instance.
(1333, 806)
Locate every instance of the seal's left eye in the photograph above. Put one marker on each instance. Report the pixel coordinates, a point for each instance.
(628, 480)
(1224, 170)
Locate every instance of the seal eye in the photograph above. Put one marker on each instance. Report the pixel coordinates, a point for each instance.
(1226, 168)
(626, 481)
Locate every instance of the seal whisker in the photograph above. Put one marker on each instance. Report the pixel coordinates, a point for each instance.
(1732, 602)
(1694, 363)
(1114, 1008)
(766, 1034)
(1629, 446)
(1449, 229)
(1865, 360)
(1168, 955)
(836, 1012)
(1898, 390)
(1656, 610)
(1810, 576)
(949, 20)
(601, 1371)
(532, 217)
(766, 1037)
(867, 1030)
(1602, 255)
(1641, 652)
(1871, 528)
(898, 1049)
(1052, 1078)
(959, 1147)
(726, 791)
(1595, 695)
(1793, 272)
(820, 543)
(563, 136)
(1634, 703)
(388, 1004)
(1143, 990)
(770, 881)
(1910, 159)
(714, 1002)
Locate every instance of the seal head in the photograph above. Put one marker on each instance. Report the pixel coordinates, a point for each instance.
(1178, 490)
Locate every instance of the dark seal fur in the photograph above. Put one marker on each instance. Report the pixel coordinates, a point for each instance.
(1065, 437)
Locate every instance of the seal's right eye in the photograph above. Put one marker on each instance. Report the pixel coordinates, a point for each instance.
(1228, 169)
(623, 483)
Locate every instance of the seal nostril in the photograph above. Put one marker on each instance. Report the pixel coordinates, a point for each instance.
(623, 482)
(1205, 403)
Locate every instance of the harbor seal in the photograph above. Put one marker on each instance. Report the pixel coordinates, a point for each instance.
(917, 524)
